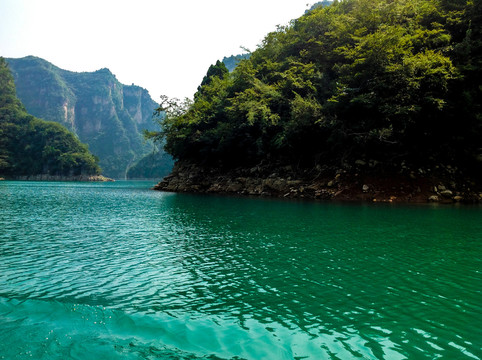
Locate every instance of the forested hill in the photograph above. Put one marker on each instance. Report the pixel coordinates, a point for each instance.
(343, 97)
(104, 113)
(29, 146)
(394, 83)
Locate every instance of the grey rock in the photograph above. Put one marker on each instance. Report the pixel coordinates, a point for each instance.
(446, 193)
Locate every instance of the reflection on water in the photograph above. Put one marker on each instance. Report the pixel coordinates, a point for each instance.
(119, 271)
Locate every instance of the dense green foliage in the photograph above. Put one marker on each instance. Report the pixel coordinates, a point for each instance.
(30, 146)
(155, 165)
(391, 81)
(217, 70)
(102, 112)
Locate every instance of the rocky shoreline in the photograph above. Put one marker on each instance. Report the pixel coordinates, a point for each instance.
(358, 184)
(47, 177)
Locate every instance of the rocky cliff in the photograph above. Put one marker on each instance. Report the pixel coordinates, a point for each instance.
(102, 112)
(34, 147)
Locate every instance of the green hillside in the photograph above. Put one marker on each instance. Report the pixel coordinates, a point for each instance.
(30, 146)
(102, 112)
(155, 165)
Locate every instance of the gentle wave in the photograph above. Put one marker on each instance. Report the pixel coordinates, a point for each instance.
(81, 331)
(119, 271)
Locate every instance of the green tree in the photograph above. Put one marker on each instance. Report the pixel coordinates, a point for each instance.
(218, 70)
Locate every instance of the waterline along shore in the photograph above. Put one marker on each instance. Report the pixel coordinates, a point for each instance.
(323, 184)
(48, 177)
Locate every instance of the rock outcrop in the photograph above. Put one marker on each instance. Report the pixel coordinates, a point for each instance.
(317, 183)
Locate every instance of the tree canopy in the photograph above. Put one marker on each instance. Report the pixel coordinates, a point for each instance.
(386, 80)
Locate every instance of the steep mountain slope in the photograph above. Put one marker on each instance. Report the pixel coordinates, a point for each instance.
(104, 113)
(29, 146)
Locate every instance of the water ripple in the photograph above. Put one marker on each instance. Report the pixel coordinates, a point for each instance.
(119, 271)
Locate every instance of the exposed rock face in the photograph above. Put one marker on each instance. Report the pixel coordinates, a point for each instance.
(138, 104)
(102, 112)
(326, 184)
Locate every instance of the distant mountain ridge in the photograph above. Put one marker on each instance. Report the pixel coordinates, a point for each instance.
(32, 147)
(318, 4)
(102, 112)
(232, 61)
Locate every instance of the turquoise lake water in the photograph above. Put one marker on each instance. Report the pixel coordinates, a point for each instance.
(118, 271)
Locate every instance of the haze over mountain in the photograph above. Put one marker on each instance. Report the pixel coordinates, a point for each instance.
(30, 146)
(102, 112)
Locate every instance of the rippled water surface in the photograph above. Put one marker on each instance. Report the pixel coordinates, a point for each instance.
(117, 271)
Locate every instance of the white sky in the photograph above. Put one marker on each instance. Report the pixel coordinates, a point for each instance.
(165, 46)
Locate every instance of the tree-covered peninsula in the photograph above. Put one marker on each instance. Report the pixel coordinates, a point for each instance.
(369, 99)
(33, 147)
